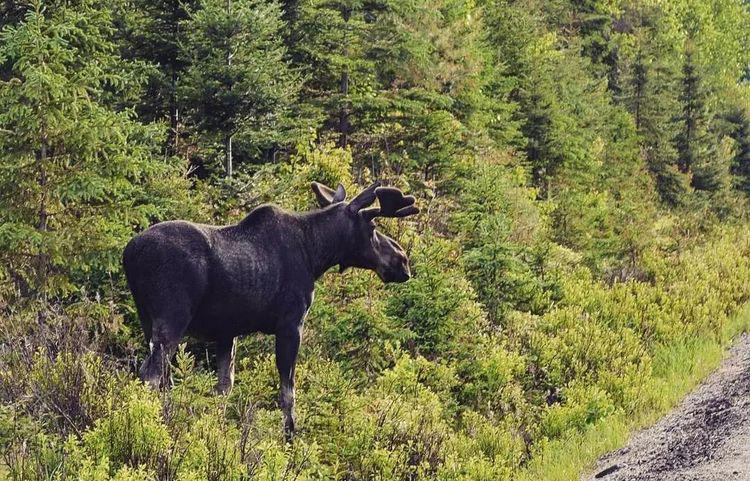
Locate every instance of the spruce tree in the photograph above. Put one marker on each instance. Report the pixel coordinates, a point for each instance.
(741, 162)
(398, 83)
(698, 147)
(692, 140)
(326, 41)
(152, 31)
(76, 175)
(238, 82)
(592, 21)
(649, 84)
(427, 69)
(655, 122)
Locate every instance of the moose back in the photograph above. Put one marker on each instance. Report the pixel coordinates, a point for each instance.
(217, 283)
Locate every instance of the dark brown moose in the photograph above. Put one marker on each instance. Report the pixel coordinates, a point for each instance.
(217, 283)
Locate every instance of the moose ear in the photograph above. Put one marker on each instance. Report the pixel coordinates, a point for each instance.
(327, 196)
(340, 194)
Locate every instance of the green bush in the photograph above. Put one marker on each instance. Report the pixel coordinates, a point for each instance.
(132, 432)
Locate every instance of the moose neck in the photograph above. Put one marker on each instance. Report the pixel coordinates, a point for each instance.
(326, 243)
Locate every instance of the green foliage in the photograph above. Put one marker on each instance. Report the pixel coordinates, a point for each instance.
(352, 326)
(438, 305)
(151, 31)
(486, 395)
(237, 82)
(77, 175)
(506, 233)
(132, 432)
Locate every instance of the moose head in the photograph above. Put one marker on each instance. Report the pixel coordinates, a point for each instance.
(366, 247)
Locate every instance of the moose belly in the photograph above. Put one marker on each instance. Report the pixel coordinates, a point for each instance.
(228, 319)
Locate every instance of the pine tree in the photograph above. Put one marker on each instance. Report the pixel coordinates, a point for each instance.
(238, 82)
(76, 175)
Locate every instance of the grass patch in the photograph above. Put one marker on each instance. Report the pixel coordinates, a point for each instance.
(677, 369)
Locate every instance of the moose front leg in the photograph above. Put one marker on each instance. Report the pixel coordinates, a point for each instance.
(287, 347)
(225, 351)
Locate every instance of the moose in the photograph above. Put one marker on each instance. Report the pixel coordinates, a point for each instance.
(216, 283)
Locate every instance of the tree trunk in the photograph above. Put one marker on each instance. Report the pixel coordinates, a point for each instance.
(228, 147)
(174, 113)
(174, 117)
(346, 14)
(228, 139)
(639, 85)
(42, 259)
(344, 112)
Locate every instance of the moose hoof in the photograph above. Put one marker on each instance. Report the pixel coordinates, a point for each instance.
(223, 389)
(289, 430)
(152, 381)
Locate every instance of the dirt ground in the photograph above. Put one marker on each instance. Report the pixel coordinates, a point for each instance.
(706, 438)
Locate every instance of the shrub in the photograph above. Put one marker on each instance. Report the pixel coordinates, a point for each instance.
(132, 433)
(438, 305)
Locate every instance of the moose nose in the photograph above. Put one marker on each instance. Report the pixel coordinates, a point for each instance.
(404, 271)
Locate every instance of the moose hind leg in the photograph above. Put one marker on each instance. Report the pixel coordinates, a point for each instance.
(163, 344)
(225, 352)
(153, 369)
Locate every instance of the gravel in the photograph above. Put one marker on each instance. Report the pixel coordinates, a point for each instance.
(706, 438)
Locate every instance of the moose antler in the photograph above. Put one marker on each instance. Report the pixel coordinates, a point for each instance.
(393, 203)
(364, 198)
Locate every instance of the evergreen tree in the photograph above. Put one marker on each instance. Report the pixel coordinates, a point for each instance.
(699, 148)
(428, 75)
(563, 107)
(404, 85)
(238, 82)
(593, 22)
(326, 41)
(539, 108)
(649, 86)
(692, 142)
(152, 31)
(741, 162)
(75, 175)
